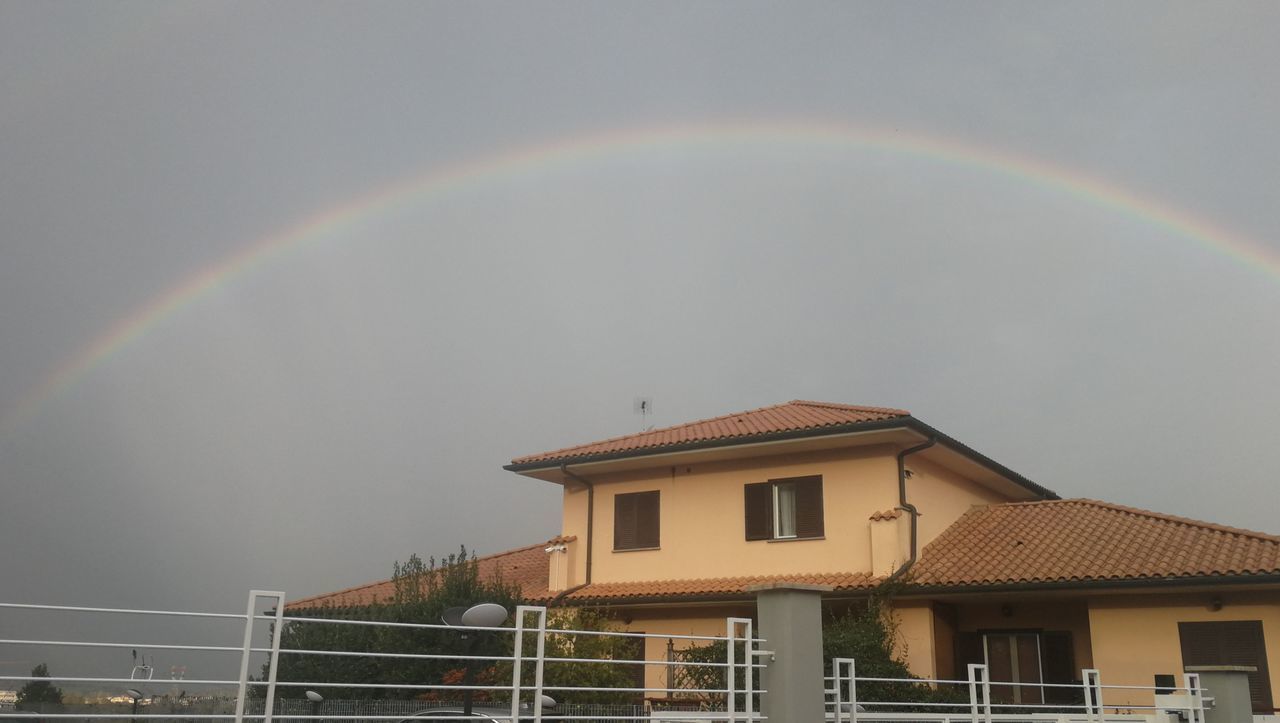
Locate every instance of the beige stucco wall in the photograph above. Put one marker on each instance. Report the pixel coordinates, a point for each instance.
(941, 496)
(915, 642)
(702, 512)
(1135, 637)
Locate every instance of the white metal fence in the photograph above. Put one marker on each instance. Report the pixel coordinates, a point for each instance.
(728, 688)
(854, 699)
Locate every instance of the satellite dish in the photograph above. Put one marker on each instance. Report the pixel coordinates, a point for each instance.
(133, 693)
(452, 616)
(548, 702)
(314, 697)
(484, 615)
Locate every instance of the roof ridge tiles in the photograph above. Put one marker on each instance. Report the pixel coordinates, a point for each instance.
(1188, 521)
(659, 430)
(716, 429)
(846, 407)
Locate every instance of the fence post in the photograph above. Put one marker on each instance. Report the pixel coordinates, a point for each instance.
(1093, 694)
(838, 666)
(247, 651)
(1195, 693)
(517, 653)
(748, 661)
(979, 682)
(791, 619)
(1229, 686)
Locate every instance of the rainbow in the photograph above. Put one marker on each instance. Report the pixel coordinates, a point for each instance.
(546, 157)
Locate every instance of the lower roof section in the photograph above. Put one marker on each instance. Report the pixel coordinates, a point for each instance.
(1054, 544)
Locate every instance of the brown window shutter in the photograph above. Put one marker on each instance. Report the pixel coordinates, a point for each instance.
(808, 506)
(647, 519)
(758, 498)
(624, 522)
(635, 520)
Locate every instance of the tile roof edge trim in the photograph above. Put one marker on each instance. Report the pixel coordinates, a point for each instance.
(567, 452)
(909, 422)
(736, 441)
(914, 589)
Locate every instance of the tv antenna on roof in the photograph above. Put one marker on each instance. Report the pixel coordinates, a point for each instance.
(644, 407)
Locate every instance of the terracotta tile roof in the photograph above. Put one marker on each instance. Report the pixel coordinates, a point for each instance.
(525, 567)
(720, 587)
(1064, 541)
(886, 515)
(794, 416)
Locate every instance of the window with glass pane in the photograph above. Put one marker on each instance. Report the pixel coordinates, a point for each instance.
(784, 509)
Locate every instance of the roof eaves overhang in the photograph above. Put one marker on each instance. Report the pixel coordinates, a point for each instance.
(1093, 585)
(906, 423)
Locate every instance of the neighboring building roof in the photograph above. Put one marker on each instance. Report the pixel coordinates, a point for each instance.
(524, 567)
(794, 416)
(1086, 541)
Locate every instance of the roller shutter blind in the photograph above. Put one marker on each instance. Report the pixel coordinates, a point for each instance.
(1230, 642)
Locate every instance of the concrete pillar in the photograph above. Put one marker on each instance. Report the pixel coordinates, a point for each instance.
(1228, 685)
(791, 623)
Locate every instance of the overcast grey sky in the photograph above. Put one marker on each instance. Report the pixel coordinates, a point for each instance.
(351, 401)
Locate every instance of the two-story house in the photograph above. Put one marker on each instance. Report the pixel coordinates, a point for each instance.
(670, 527)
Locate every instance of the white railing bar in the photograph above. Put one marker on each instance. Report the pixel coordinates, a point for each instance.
(1054, 706)
(722, 691)
(673, 663)
(411, 656)
(338, 717)
(66, 679)
(658, 715)
(1134, 687)
(861, 702)
(388, 624)
(82, 644)
(896, 715)
(125, 611)
(550, 631)
(908, 681)
(386, 686)
(129, 715)
(656, 636)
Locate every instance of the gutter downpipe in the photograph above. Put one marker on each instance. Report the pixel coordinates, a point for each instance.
(591, 516)
(908, 507)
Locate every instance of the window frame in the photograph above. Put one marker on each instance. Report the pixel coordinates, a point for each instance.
(808, 510)
(629, 515)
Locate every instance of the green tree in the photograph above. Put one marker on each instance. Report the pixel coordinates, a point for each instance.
(37, 694)
(869, 636)
(423, 590)
(590, 647)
